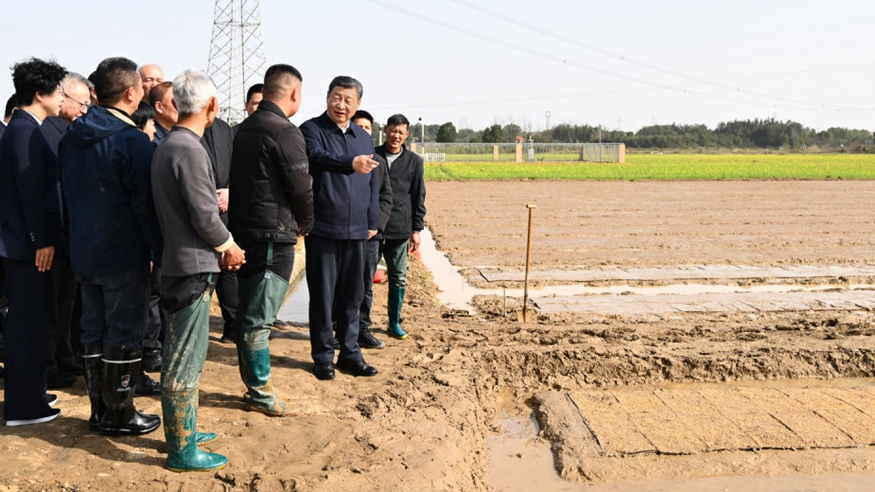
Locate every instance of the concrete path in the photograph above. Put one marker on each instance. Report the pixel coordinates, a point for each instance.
(851, 300)
(792, 298)
(682, 272)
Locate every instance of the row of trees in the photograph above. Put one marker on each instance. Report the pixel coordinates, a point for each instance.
(757, 133)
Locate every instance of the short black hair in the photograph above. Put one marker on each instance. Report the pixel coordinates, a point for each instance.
(159, 91)
(36, 76)
(346, 82)
(113, 77)
(11, 104)
(363, 114)
(398, 119)
(253, 90)
(274, 77)
(143, 114)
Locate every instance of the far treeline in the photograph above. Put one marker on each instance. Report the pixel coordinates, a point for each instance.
(746, 134)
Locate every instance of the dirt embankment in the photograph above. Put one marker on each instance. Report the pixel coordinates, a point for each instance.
(421, 423)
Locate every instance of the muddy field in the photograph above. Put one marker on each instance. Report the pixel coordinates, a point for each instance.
(424, 421)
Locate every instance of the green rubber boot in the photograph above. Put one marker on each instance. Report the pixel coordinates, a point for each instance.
(205, 437)
(260, 394)
(180, 431)
(396, 301)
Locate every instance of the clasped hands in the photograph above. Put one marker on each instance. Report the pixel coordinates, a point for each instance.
(233, 258)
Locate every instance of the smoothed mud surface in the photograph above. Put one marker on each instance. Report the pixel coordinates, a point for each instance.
(422, 423)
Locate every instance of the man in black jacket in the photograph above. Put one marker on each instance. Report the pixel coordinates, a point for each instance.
(271, 204)
(218, 141)
(408, 214)
(372, 246)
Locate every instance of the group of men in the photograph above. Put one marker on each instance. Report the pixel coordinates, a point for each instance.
(162, 221)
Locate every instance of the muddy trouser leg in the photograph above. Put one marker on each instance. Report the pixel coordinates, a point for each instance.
(185, 349)
(395, 253)
(262, 287)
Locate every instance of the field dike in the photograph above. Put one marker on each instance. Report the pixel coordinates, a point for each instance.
(545, 364)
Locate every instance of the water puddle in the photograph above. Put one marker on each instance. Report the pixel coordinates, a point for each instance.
(295, 310)
(520, 461)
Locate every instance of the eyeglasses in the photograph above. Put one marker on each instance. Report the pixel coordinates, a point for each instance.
(82, 105)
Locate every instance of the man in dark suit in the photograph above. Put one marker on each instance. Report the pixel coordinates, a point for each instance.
(30, 237)
(218, 141)
(62, 367)
(346, 204)
(4, 299)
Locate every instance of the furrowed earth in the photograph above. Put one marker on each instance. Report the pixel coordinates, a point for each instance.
(684, 393)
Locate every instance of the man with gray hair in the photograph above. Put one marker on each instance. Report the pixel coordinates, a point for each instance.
(197, 243)
(61, 365)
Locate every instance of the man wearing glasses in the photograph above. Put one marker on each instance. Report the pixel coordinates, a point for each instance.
(77, 100)
(62, 368)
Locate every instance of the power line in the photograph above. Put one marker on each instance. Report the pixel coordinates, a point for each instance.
(633, 61)
(547, 56)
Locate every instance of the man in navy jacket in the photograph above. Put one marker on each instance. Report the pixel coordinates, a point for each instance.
(114, 235)
(31, 223)
(346, 205)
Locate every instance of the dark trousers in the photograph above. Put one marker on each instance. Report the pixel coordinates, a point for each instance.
(372, 258)
(335, 268)
(4, 301)
(226, 291)
(256, 259)
(26, 337)
(115, 307)
(155, 324)
(62, 297)
(180, 292)
(227, 294)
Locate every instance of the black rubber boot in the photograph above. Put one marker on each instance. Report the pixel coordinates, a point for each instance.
(91, 356)
(121, 368)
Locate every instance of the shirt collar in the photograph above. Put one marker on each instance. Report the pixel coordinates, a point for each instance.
(38, 121)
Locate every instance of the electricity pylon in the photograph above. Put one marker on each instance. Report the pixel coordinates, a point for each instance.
(236, 54)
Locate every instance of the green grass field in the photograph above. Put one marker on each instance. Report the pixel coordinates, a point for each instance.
(669, 167)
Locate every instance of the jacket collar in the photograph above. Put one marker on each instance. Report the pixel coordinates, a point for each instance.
(271, 107)
(24, 116)
(326, 122)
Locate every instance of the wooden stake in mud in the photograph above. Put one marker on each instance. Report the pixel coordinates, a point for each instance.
(524, 314)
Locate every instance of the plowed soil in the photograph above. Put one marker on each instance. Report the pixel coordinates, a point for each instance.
(421, 424)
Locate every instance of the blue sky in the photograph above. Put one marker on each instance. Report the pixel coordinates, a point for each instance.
(620, 64)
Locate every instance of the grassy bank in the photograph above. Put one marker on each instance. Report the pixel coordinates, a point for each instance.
(669, 167)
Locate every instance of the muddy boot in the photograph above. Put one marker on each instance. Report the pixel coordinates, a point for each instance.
(396, 300)
(91, 356)
(260, 395)
(180, 431)
(368, 340)
(120, 369)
